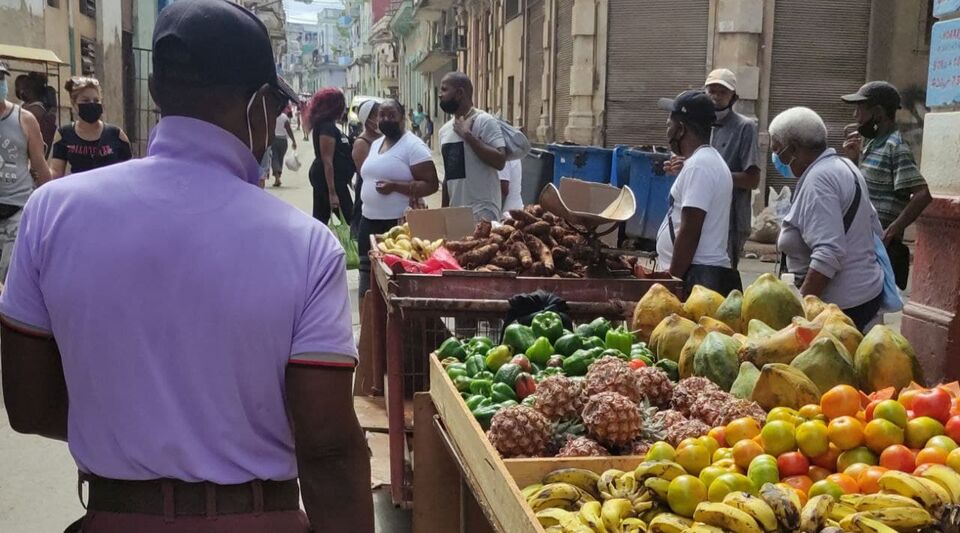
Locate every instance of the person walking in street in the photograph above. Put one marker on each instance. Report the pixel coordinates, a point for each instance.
(41, 100)
(200, 389)
(304, 109)
(692, 240)
(828, 235)
(282, 135)
(333, 168)
(397, 172)
(735, 137)
(369, 116)
(416, 120)
(428, 131)
(90, 142)
(897, 189)
(22, 167)
(472, 146)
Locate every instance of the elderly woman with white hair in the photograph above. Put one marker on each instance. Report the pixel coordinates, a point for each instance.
(828, 235)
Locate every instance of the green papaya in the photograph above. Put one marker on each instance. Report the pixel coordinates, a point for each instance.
(716, 359)
(885, 359)
(849, 336)
(689, 350)
(729, 311)
(772, 301)
(827, 363)
(782, 385)
(746, 380)
(712, 324)
(756, 329)
(670, 335)
(702, 302)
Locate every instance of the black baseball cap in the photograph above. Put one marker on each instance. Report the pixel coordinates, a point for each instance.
(694, 105)
(225, 41)
(879, 93)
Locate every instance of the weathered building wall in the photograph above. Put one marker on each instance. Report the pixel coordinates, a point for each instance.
(21, 22)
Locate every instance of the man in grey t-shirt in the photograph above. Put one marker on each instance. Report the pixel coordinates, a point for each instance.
(735, 137)
(473, 151)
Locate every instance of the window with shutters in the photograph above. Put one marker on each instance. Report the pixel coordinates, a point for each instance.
(89, 8)
(511, 9)
(88, 57)
(54, 3)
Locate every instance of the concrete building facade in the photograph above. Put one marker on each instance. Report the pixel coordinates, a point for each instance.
(318, 54)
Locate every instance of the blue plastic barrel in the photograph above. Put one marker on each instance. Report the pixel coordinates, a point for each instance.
(587, 163)
(651, 187)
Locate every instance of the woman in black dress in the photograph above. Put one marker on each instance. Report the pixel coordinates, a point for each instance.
(90, 142)
(333, 168)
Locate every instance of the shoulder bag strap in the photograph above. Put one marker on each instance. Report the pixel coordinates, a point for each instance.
(855, 206)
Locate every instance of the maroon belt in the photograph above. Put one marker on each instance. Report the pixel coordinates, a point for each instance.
(171, 497)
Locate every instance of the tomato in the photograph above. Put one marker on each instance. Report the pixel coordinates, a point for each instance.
(693, 458)
(907, 396)
(856, 469)
(934, 403)
(880, 433)
(922, 429)
(778, 437)
(846, 482)
(898, 457)
(661, 451)
(718, 435)
(868, 410)
(685, 493)
(810, 411)
(637, 363)
(952, 428)
(727, 483)
(812, 438)
(817, 473)
(861, 454)
(829, 459)
(801, 483)
(891, 410)
(793, 464)
(931, 455)
(722, 453)
(846, 432)
(842, 400)
(953, 459)
(786, 414)
(744, 452)
(869, 480)
(826, 487)
(942, 441)
(741, 428)
(763, 469)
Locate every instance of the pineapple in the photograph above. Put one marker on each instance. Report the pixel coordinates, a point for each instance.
(611, 374)
(737, 408)
(691, 428)
(559, 397)
(562, 432)
(669, 418)
(688, 390)
(520, 431)
(653, 430)
(708, 406)
(582, 447)
(640, 447)
(655, 385)
(612, 419)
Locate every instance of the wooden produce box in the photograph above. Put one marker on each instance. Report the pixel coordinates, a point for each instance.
(496, 482)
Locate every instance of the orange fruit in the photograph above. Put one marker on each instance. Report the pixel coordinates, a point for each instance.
(846, 432)
(829, 459)
(932, 455)
(826, 487)
(880, 433)
(953, 460)
(810, 411)
(744, 452)
(684, 494)
(778, 437)
(920, 430)
(718, 435)
(693, 458)
(942, 441)
(856, 469)
(860, 454)
(846, 482)
(787, 414)
(817, 473)
(709, 442)
(722, 453)
(891, 410)
(687, 442)
(741, 428)
(801, 483)
(869, 479)
(812, 438)
(842, 400)
(898, 457)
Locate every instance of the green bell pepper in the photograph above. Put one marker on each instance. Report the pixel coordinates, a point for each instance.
(452, 347)
(670, 367)
(501, 392)
(518, 337)
(486, 374)
(462, 383)
(475, 364)
(475, 400)
(584, 330)
(479, 344)
(449, 361)
(578, 363)
(547, 324)
(640, 357)
(600, 326)
(484, 414)
(641, 348)
(568, 344)
(529, 401)
(456, 370)
(497, 357)
(508, 403)
(612, 352)
(540, 351)
(593, 342)
(481, 386)
(619, 339)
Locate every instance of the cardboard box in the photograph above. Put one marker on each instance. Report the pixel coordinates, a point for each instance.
(452, 223)
(590, 205)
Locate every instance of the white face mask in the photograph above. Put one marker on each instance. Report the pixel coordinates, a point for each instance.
(266, 136)
(3, 89)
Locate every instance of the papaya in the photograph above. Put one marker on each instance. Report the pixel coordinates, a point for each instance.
(689, 350)
(756, 329)
(812, 306)
(702, 302)
(832, 311)
(658, 303)
(746, 380)
(780, 347)
(772, 301)
(885, 359)
(729, 311)
(848, 335)
(670, 335)
(827, 363)
(716, 359)
(712, 324)
(740, 337)
(781, 385)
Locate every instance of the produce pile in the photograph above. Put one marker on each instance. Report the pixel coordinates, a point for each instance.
(851, 462)
(399, 242)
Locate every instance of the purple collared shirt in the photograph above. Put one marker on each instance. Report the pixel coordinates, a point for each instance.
(177, 293)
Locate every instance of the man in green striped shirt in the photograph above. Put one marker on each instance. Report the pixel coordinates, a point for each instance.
(897, 189)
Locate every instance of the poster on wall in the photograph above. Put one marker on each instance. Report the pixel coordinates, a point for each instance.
(943, 80)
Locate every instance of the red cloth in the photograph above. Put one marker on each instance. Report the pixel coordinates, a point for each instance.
(440, 260)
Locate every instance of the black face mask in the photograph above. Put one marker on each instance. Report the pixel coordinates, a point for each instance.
(90, 112)
(449, 106)
(390, 129)
(675, 143)
(869, 128)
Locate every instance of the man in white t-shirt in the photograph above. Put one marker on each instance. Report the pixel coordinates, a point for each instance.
(278, 149)
(692, 241)
(510, 182)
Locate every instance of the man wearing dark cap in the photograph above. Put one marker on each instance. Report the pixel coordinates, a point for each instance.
(199, 389)
(897, 189)
(692, 241)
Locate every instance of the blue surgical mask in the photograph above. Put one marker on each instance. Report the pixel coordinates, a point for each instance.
(783, 168)
(3, 89)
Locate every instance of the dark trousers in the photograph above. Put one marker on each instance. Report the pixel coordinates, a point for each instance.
(321, 195)
(864, 313)
(367, 228)
(900, 260)
(719, 279)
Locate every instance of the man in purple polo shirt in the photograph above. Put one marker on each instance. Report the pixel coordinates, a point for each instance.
(200, 327)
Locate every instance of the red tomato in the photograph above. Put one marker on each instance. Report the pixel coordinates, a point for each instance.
(868, 412)
(952, 428)
(801, 483)
(792, 464)
(637, 363)
(898, 457)
(934, 403)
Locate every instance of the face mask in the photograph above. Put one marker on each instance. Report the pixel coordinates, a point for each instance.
(390, 129)
(869, 128)
(722, 113)
(783, 168)
(3, 89)
(449, 106)
(266, 138)
(90, 112)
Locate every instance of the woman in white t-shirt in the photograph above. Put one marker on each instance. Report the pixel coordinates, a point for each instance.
(398, 171)
(278, 150)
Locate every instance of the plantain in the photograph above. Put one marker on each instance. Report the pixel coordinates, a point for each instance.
(815, 512)
(783, 505)
(586, 480)
(755, 507)
(726, 517)
(669, 523)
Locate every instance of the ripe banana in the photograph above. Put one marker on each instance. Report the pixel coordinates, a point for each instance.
(662, 469)
(627, 486)
(947, 478)
(814, 513)
(726, 517)
(563, 495)
(700, 527)
(869, 502)
(755, 507)
(839, 511)
(557, 517)
(783, 505)
(899, 518)
(914, 487)
(590, 515)
(614, 511)
(581, 478)
(861, 524)
(605, 483)
(669, 523)
(632, 525)
(530, 490)
(658, 485)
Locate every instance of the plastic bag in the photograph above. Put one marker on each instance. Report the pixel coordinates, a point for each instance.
(342, 230)
(892, 302)
(780, 202)
(292, 162)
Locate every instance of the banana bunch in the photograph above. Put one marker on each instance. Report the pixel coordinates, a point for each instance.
(619, 484)
(928, 492)
(557, 496)
(581, 501)
(400, 243)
